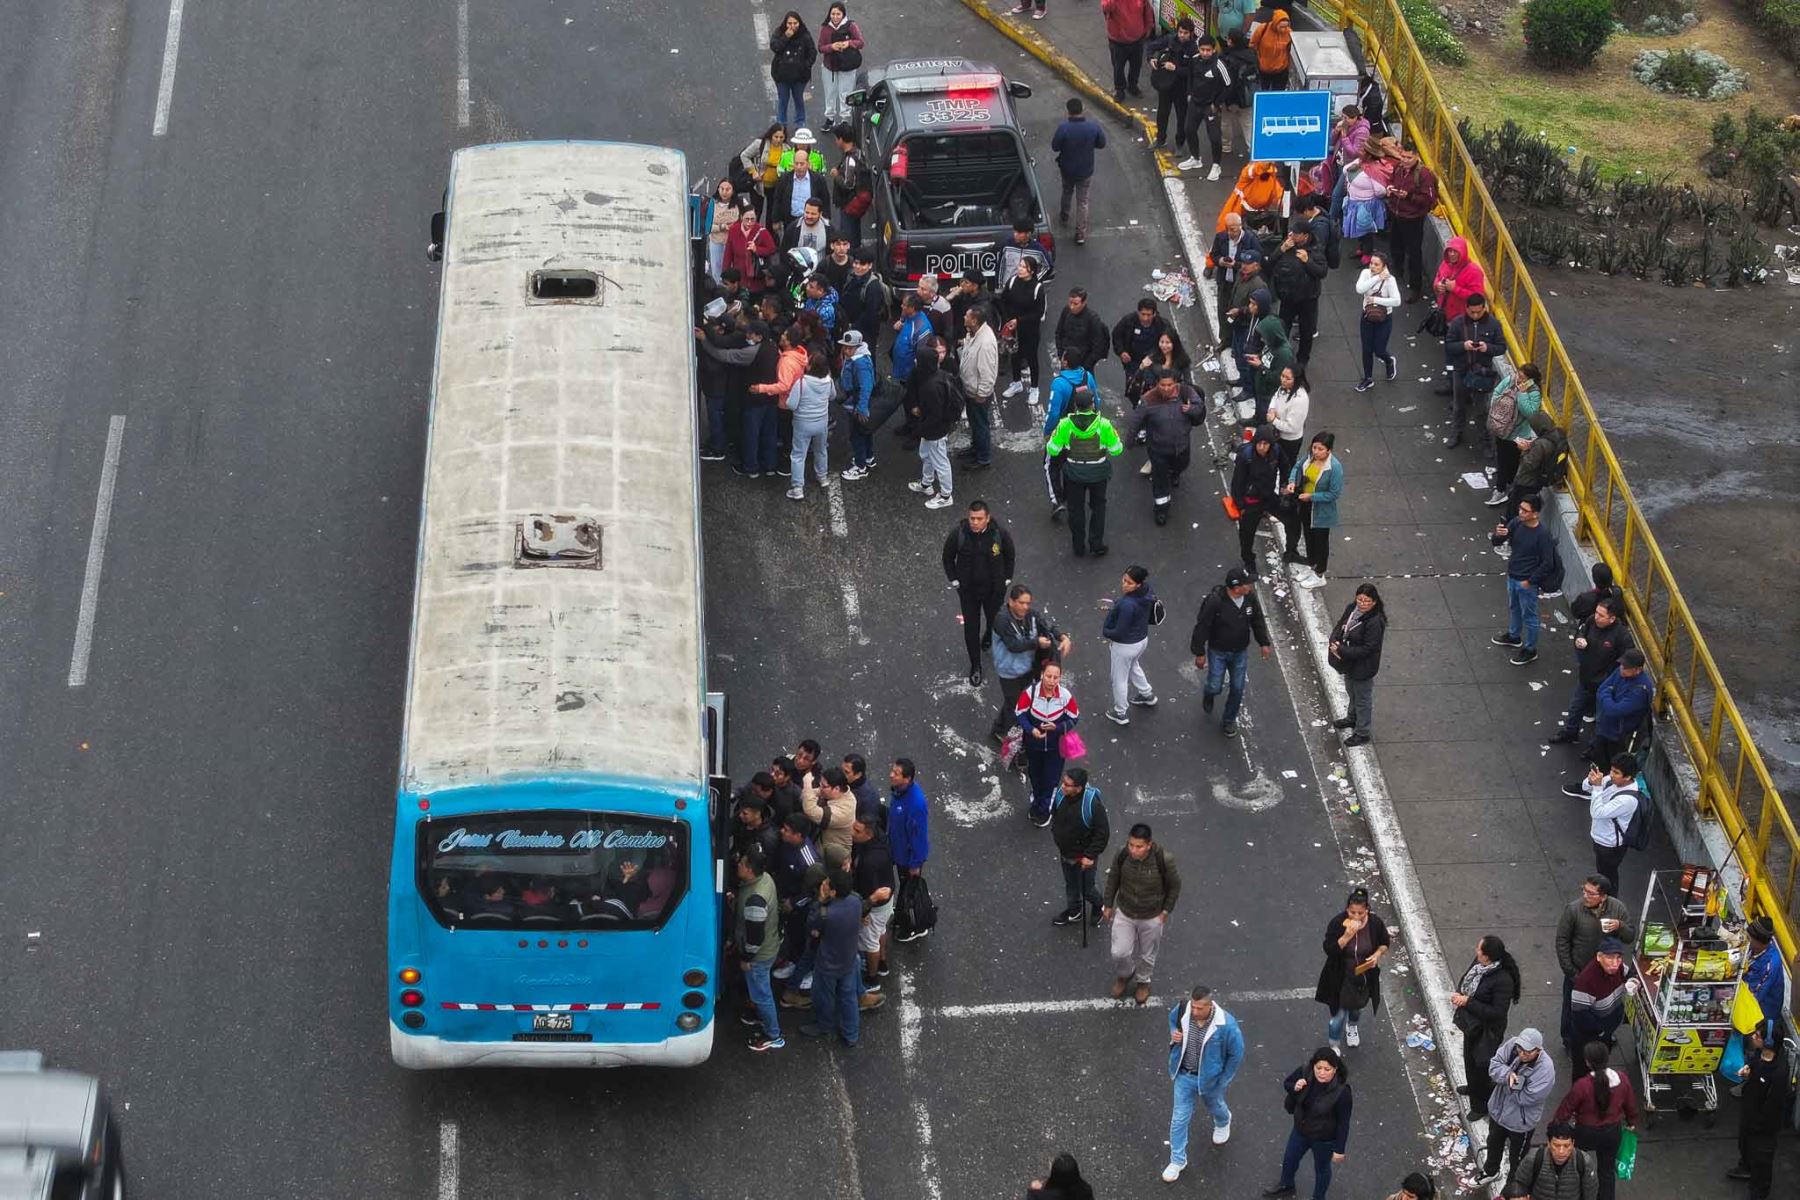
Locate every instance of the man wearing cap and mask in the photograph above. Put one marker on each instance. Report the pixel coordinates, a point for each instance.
(1524, 1077)
(1229, 617)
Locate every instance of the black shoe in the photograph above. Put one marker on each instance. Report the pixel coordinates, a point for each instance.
(1564, 736)
(1118, 93)
(1738, 1172)
(1350, 723)
(1162, 514)
(1093, 915)
(1393, 368)
(1575, 791)
(1133, 89)
(1080, 552)
(1278, 1190)
(975, 677)
(1505, 639)
(1357, 739)
(977, 466)
(1098, 552)
(1453, 440)
(1523, 656)
(1056, 513)
(1463, 1090)
(1442, 389)
(1206, 700)
(1229, 729)
(1067, 917)
(1476, 1114)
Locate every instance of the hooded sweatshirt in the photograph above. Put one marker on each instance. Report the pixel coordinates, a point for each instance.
(857, 379)
(1277, 356)
(1464, 277)
(1519, 1107)
(1539, 457)
(1062, 388)
(1256, 478)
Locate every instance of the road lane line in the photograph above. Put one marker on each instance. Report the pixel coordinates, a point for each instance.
(760, 20)
(840, 1095)
(462, 64)
(834, 497)
(910, 1021)
(165, 90)
(449, 1162)
(1033, 1008)
(90, 583)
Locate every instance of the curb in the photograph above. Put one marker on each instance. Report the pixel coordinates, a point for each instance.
(1036, 45)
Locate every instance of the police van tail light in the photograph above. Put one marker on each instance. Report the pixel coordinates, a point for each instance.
(897, 255)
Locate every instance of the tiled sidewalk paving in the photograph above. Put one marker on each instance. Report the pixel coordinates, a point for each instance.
(1459, 731)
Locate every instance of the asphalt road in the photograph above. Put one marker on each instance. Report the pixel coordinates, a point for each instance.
(193, 905)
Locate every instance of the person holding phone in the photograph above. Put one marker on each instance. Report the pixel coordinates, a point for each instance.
(1045, 711)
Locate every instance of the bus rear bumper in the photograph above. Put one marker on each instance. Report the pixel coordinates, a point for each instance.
(421, 1052)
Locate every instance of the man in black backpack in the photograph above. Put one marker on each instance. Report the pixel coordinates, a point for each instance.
(1078, 826)
(1141, 890)
(1229, 617)
(1556, 1170)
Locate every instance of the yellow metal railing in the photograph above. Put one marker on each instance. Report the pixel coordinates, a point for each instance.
(1735, 786)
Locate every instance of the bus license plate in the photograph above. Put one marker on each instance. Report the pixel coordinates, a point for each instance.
(552, 1022)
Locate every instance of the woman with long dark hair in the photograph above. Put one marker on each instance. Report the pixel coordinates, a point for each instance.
(1490, 985)
(1355, 650)
(1601, 1105)
(1312, 488)
(791, 67)
(1065, 1182)
(1022, 313)
(1046, 711)
(1318, 1096)
(1356, 941)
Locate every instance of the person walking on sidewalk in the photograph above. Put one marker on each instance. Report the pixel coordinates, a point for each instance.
(1079, 829)
(978, 562)
(1613, 800)
(1129, 24)
(1255, 489)
(1074, 144)
(1314, 488)
(1601, 640)
(1519, 1076)
(1166, 421)
(1381, 298)
(1206, 1048)
(1600, 1105)
(1084, 444)
(1355, 650)
(1585, 922)
(1127, 634)
(1024, 640)
(1046, 711)
(1228, 618)
(1171, 61)
(1356, 940)
(1142, 886)
(1210, 85)
(1318, 1096)
(1556, 1170)
(757, 921)
(1480, 1003)
(1533, 562)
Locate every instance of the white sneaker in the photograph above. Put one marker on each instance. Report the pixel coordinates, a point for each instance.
(1352, 1036)
(924, 489)
(853, 473)
(1172, 1172)
(1213, 175)
(943, 501)
(1033, 396)
(796, 493)
(1144, 470)
(1312, 579)
(1221, 1134)
(1335, 1048)
(1013, 389)
(1495, 498)
(1189, 164)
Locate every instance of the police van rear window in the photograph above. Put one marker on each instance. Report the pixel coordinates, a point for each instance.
(961, 180)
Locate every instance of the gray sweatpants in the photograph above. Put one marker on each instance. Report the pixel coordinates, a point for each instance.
(1134, 946)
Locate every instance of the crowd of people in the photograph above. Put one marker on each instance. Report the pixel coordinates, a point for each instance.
(799, 328)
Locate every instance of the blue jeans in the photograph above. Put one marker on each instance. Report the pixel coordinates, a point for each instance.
(762, 995)
(981, 441)
(1238, 663)
(1522, 611)
(835, 1006)
(715, 423)
(1334, 1028)
(862, 444)
(759, 438)
(808, 435)
(1297, 1148)
(787, 94)
(1187, 1097)
(1375, 336)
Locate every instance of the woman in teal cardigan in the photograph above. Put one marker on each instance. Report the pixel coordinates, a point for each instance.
(1509, 422)
(1310, 509)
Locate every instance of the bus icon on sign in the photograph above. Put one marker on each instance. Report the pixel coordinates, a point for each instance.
(1274, 126)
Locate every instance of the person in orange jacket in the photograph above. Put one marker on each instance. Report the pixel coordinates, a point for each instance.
(1257, 196)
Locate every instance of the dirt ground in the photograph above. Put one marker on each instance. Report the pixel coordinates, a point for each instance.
(1699, 392)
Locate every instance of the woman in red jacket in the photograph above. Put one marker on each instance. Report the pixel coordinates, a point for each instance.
(1600, 1105)
(746, 244)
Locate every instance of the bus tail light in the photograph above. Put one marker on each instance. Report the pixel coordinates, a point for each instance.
(412, 1018)
(687, 1022)
(694, 978)
(410, 975)
(693, 999)
(412, 998)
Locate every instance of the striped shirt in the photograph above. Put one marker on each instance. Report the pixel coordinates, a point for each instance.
(1047, 709)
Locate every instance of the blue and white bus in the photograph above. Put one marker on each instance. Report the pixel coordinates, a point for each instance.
(556, 889)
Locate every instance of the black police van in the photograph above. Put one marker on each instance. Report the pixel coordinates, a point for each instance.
(949, 166)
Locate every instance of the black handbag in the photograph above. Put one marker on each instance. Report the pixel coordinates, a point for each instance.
(1435, 323)
(1353, 995)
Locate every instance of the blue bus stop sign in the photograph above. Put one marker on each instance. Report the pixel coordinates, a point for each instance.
(1290, 126)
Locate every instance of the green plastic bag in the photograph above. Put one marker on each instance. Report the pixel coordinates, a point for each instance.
(1627, 1162)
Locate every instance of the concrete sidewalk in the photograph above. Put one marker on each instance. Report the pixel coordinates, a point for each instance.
(1481, 839)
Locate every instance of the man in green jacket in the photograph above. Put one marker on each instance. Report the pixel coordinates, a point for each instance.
(1141, 890)
(1087, 443)
(756, 938)
(1277, 356)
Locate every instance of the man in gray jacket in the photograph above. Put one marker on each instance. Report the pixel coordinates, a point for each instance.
(979, 369)
(1167, 417)
(1523, 1078)
(1586, 920)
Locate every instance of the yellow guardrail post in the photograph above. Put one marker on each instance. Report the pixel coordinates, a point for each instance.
(1750, 810)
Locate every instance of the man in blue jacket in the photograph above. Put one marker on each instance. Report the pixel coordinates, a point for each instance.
(909, 832)
(1621, 705)
(1074, 143)
(1205, 1051)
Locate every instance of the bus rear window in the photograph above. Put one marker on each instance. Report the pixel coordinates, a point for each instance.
(972, 179)
(552, 870)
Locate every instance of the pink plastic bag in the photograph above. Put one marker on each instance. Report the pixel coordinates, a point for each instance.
(1072, 746)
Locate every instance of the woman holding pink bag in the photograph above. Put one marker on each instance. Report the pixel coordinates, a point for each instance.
(1047, 712)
